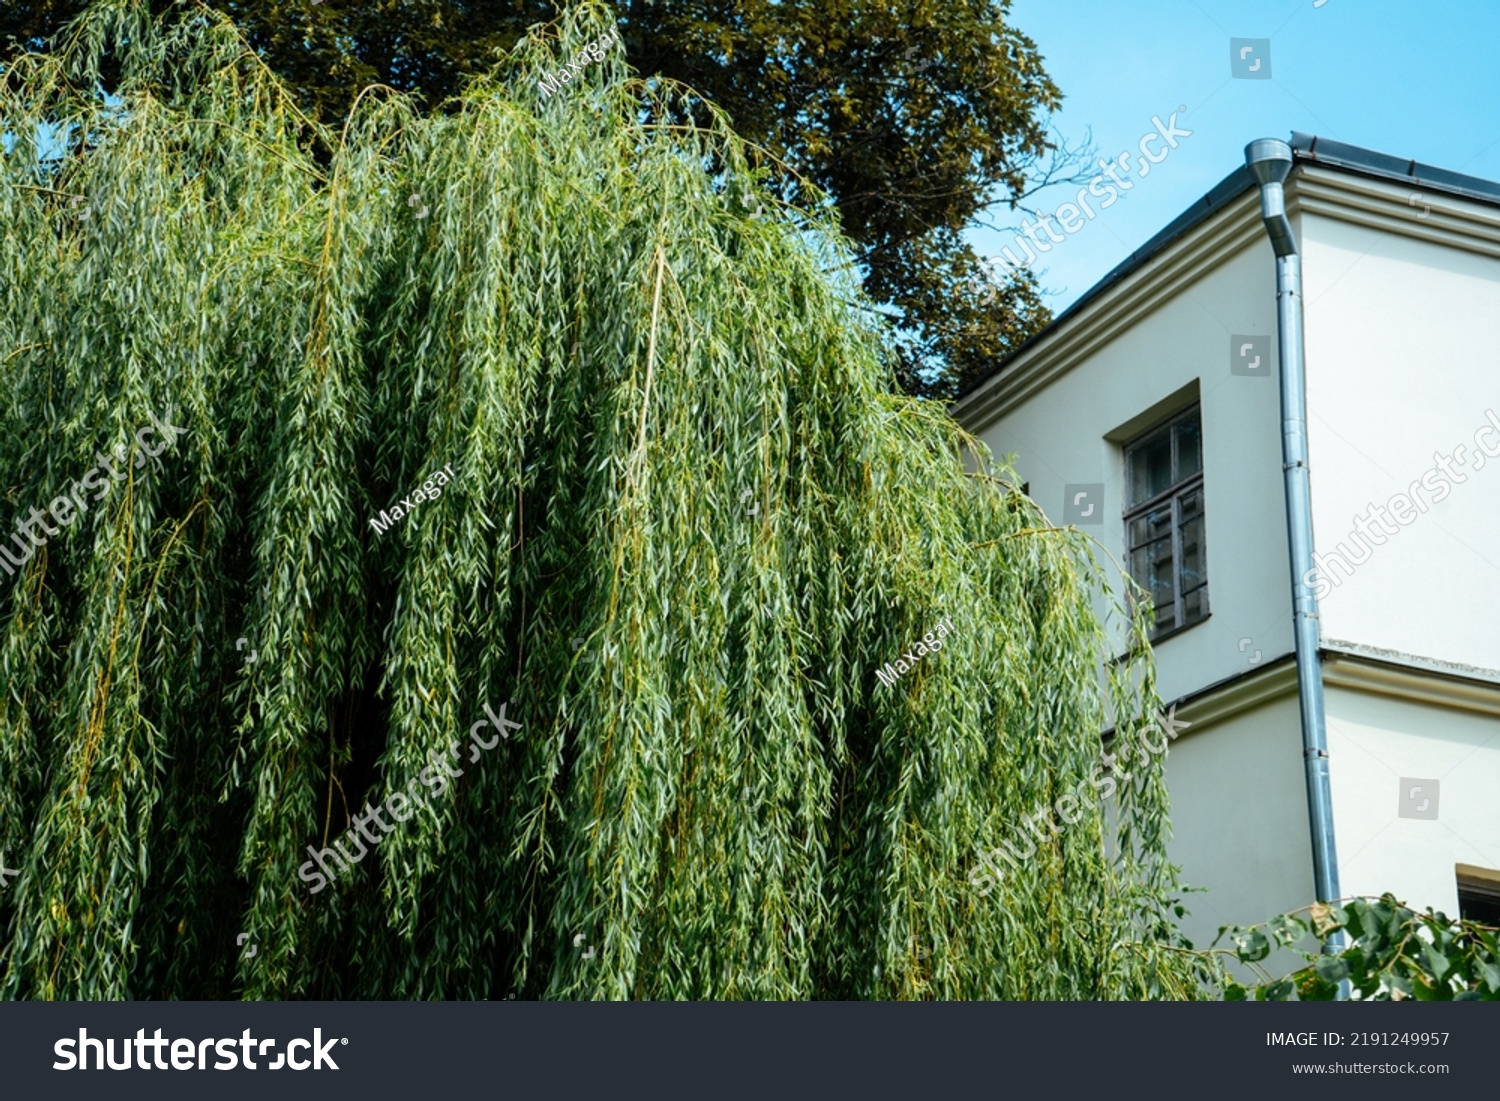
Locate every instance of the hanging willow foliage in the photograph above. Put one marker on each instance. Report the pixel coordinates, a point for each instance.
(687, 523)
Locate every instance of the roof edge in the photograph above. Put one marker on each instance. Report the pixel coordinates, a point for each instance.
(1306, 149)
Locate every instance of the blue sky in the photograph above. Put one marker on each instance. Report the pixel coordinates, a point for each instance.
(1418, 80)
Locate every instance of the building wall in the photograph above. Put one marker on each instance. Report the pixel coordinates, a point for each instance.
(1402, 312)
(1060, 436)
(1402, 339)
(1239, 802)
(1380, 746)
(1239, 818)
(1402, 318)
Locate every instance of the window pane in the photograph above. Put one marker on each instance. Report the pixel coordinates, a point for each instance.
(1194, 558)
(1189, 447)
(1479, 906)
(1150, 468)
(1163, 617)
(1154, 525)
(1195, 605)
(1151, 566)
(1166, 547)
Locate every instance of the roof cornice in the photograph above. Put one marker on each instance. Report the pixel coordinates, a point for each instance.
(1348, 666)
(1243, 692)
(1106, 315)
(1434, 206)
(1402, 209)
(1410, 678)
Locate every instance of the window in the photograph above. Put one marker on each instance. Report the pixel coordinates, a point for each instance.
(1164, 532)
(1479, 894)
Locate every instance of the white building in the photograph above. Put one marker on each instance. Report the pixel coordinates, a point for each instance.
(1150, 414)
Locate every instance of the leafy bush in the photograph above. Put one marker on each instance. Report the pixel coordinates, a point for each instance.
(1393, 953)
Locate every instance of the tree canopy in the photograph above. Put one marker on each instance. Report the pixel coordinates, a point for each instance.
(912, 119)
(686, 523)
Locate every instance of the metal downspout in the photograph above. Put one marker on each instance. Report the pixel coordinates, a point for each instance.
(1270, 161)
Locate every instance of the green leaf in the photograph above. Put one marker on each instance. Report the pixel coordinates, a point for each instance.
(1279, 991)
(1438, 964)
(1288, 929)
(1251, 946)
(1332, 969)
(1491, 975)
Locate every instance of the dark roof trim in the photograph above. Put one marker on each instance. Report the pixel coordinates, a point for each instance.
(1305, 147)
(1382, 166)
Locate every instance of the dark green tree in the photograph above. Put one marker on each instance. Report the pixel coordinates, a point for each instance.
(687, 523)
(913, 118)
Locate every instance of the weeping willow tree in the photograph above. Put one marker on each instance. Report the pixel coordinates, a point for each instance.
(687, 521)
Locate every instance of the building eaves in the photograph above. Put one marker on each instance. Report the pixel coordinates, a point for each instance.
(1306, 149)
(1381, 166)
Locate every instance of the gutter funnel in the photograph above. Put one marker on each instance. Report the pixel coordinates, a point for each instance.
(1270, 161)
